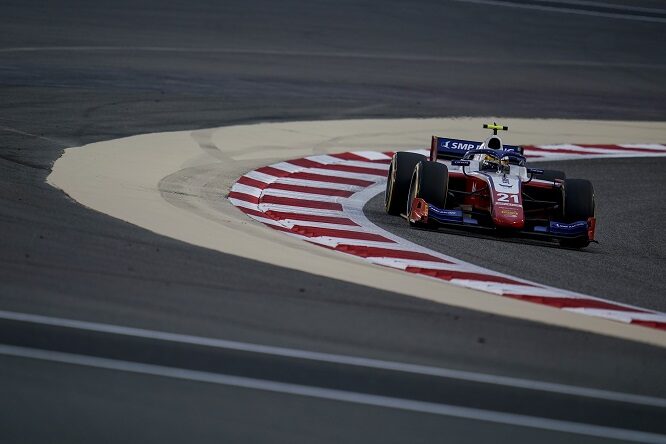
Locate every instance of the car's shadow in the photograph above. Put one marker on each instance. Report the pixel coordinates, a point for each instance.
(500, 237)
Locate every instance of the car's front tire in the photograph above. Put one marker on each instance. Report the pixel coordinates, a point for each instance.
(397, 182)
(430, 182)
(578, 205)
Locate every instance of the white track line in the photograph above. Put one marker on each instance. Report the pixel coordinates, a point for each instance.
(338, 395)
(611, 15)
(462, 375)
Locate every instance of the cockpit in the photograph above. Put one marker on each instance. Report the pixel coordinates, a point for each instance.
(495, 160)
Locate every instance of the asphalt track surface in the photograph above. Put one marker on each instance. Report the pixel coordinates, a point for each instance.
(77, 72)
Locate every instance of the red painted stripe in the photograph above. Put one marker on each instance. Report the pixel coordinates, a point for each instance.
(356, 157)
(364, 251)
(564, 302)
(310, 190)
(281, 228)
(244, 180)
(279, 200)
(452, 274)
(620, 148)
(254, 212)
(273, 171)
(281, 215)
(307, 163)
(332, 179)
(346, 234)
(243, 196)
(651, 324)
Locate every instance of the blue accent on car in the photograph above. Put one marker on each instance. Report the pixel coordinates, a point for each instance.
(445, 216)
(563, 229)
(450, 216)
(571, 229)
(456, 148)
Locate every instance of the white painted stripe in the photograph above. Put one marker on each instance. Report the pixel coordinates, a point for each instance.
(509, 289)
(372, 155)
(346, 174)
(261, 177)
(335, 395)
(246, 189)
(527, 289)
(299, 210)
(244, 204)
(305, 223)
(404, 263)
(335, 241)
(337, 359)
(318, 184)
(299, 195)
(330, 160)
(286, 166)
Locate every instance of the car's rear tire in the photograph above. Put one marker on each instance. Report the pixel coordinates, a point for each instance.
(551, 175)
(430, 182)
(398, 179)
(578, 205)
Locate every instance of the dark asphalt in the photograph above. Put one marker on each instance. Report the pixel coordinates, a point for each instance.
(80, 404)
(628, 263)
(221, 63)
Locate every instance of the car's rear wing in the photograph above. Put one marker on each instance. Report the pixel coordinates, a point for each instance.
(449, 149)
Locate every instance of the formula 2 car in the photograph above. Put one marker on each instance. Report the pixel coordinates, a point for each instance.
(488, 186)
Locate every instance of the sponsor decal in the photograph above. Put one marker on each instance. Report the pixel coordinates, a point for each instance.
(569, 226)
(452, 213)
(508, 212)
(457, 145)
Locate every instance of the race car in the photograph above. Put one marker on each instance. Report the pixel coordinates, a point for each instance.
(488, 186)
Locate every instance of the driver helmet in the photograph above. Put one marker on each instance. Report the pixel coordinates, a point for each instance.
(487, 162)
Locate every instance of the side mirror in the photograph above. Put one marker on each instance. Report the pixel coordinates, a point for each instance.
(532, 172)
(460, 162)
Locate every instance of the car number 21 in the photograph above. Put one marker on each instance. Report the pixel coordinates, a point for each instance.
(504, 197)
